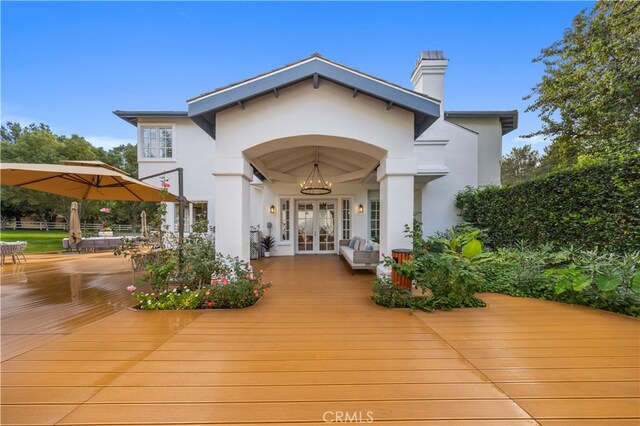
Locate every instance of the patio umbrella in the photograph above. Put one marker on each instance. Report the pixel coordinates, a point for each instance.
(143, 220)
(75, 234)
(85, 180)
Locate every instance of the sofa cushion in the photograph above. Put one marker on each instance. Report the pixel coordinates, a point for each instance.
(352, 243)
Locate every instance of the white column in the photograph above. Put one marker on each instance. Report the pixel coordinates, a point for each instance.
(396, 176)
(232, 210)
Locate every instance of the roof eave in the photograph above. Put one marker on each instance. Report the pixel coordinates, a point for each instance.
(132, 117)
(508, 119)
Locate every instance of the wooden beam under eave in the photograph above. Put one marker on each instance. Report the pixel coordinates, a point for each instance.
(316, 80)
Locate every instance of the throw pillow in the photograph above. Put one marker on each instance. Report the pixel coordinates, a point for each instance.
(352, 243)
(369, 247)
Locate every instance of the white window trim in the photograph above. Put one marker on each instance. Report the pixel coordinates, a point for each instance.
(353, 208)
(141, 158)
(291, 200)
(369, 229)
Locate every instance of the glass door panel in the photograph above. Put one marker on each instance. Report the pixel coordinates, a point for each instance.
(305, 227)
(326, 226)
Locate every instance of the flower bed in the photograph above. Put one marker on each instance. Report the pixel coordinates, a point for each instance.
(234, 286)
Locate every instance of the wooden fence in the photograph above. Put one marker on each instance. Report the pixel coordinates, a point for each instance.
(62, 226)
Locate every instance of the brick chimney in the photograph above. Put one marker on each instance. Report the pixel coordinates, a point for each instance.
(428, 75)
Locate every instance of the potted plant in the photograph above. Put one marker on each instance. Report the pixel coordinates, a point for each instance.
(267, 244)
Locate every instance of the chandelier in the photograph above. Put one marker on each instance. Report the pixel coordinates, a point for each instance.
(315, 183)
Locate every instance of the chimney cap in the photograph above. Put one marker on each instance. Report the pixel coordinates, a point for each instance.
(432, 55)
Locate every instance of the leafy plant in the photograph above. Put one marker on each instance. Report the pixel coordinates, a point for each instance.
(600, 280)
(446, 267)
(268, 242)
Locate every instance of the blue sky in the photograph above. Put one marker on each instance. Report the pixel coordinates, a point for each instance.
(70, 64)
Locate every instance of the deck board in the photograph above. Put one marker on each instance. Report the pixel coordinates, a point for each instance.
(314, 344)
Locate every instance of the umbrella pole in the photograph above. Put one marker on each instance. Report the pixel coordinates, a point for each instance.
(180, 216)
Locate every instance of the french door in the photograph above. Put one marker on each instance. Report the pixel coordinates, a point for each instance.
(316, 226)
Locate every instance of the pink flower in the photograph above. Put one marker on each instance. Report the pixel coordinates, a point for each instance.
(383, 255)
(247, 276)
(224, 281)
(207, 293)
(261, 270)
(209, 304)
(256, 293)
(214, 281)
(105, 210)
(131, 288)
(165, 184)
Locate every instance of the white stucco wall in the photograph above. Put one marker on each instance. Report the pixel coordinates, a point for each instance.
(193, 150)
(489, 132)
(330, 110)
(461, 158)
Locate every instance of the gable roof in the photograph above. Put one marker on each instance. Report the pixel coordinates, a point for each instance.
(203, 108)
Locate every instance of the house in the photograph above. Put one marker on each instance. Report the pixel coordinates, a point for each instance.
(388, 154)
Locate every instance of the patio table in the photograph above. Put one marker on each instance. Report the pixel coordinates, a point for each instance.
(93, 243)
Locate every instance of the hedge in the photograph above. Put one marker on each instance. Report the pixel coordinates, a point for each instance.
(591, 206)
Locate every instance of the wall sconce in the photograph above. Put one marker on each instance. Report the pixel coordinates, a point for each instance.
(272, 209)
(360, 208)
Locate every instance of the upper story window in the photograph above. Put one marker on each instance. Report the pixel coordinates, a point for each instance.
(157, 142)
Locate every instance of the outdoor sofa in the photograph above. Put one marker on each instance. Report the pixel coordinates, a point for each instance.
(360, 253)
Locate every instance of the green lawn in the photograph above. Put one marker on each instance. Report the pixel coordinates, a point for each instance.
(39, 241)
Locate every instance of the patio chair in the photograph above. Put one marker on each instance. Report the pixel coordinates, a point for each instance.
(21, 246)
(6, 249)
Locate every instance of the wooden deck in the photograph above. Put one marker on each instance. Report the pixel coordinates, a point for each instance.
(315, 348)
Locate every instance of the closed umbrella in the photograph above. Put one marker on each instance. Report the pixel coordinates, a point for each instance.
(143, 220)
(75, 234)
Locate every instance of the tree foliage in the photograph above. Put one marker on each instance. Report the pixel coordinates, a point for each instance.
(589, 96)
(38, 144)
(519, 165)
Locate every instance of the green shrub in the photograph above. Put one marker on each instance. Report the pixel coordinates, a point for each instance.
(604, 281)
(592, 206)
(445, 266)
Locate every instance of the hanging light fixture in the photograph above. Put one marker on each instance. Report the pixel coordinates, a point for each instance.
(315, 183)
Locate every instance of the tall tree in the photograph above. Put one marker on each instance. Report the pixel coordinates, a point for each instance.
(589, 96)
(519, 165)
(38, 144)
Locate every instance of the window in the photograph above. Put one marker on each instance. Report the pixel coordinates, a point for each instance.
(200, 211)
(157, 142)
(187, 222)
(374, 210)
(346, 219)
(285, 219)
